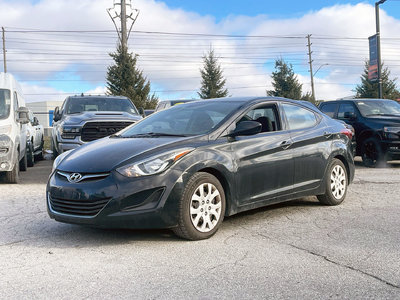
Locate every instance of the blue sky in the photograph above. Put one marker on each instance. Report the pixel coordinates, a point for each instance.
(274, 9)
(51, 65)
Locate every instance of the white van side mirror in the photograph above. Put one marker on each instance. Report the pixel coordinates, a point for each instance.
(23, 115)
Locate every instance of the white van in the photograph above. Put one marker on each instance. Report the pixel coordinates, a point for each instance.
(13, 120)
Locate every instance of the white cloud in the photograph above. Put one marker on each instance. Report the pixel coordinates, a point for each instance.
(172, 62)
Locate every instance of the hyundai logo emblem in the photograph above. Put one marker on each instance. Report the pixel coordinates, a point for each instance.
(75, 177)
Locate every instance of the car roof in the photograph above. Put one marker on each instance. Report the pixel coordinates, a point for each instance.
(251, 99)
(98, 96)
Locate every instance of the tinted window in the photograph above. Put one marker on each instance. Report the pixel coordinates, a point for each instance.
(299, 117)
(5, 103)
(79, 105)
(189, 119)
(345, 107)
(329, 109)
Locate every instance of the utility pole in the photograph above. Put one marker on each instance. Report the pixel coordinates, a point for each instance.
(4, 51)
(122, 31)
(311, 71)
(124, 36)
(378, 48)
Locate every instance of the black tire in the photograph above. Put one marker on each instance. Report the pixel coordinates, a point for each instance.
(372, 153)
(39, 156)
(30, 156)
(336, 183)
(53, 149)
(13, 175)
(210, 212)
(23, 164)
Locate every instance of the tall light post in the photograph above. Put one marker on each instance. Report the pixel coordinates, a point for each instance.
(312, 80)
(378, 47)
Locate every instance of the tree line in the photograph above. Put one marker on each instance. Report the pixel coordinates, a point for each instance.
(124, 78)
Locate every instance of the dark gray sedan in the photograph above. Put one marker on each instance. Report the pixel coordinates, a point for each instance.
(187, 167)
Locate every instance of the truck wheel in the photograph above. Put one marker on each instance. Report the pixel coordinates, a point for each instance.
(335, 184)
(23, 164)
(53, 148)
(201, 207)
(31, 156)
(372, 154)
(13, 175)
(39, 156)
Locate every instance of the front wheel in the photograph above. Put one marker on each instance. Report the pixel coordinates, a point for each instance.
(23, 164)
(13, 175)
(335, 184)
(372, 154)
(201, 207)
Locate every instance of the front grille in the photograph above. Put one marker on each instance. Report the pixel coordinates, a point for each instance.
(86, 208)
(95, 130)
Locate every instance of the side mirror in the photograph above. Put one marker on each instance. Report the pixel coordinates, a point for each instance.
(56, 114)
(349, 115)
(35, 121)
(23, 115)
(141, 111)
(246, 128)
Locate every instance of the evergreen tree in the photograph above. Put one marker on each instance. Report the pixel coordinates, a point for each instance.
(369, 89)
(212, 82)
(125, 79)
(285, 82)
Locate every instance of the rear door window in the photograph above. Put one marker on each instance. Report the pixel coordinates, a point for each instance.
(298, 117)
(329, 109)
(345, 107)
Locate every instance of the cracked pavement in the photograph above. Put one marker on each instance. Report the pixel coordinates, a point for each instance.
(296, 250)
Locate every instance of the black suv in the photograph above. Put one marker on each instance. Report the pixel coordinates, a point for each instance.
(376, 123)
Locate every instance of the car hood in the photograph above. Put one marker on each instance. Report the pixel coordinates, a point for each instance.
(108, 153)
(386, 120)
(100, 116)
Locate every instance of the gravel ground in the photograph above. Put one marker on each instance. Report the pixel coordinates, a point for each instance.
(297, 250)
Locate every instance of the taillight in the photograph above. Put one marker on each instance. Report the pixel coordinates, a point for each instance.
(347, 132)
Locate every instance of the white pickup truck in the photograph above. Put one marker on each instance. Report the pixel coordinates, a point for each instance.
(34, 140)
(13, 120)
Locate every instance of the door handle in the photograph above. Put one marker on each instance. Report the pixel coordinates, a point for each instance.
(285, 144)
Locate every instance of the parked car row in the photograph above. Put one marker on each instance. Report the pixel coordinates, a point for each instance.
(21, 136)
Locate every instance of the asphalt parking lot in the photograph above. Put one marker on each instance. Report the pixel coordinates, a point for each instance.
(297, 250)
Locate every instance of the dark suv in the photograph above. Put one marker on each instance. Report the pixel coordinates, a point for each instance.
(376, 123)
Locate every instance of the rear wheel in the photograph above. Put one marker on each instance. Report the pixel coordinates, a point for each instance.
(372, 154)
(201, 207)
(31, 156)
(39, 156)
(23, 164)
(335, 184)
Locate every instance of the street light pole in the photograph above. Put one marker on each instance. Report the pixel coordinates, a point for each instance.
(378, 47)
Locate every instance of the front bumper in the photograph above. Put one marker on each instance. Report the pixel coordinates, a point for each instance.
(392, 149)
(113, 201)
(6, 153)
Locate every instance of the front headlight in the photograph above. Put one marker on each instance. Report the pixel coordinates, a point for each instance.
(153, 165)
(5, 129)
(58, 160)
(68, 132)
(392, 129)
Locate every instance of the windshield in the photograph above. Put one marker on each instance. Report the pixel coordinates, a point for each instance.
(79, 105)
(5, 103)
(378, 107)
(183, 120)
